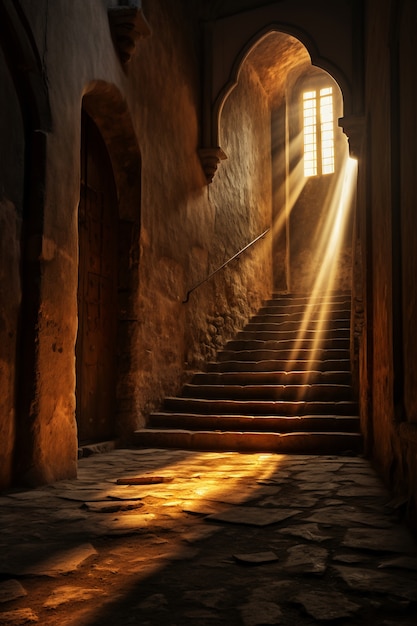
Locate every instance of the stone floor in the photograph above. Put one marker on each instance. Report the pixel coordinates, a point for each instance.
(207, 538)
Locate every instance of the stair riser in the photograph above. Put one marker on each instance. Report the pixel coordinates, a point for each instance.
(321, 308)
(271, 365)
(281, 355)
(308, 299)
(304, 316)
(318, 393)
(272, 378)
(259, 407)
(287, 344)
(293, 335)
(255, 424)
(274, 324)
(302, 443)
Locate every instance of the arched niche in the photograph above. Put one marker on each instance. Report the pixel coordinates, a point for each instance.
(328, 33)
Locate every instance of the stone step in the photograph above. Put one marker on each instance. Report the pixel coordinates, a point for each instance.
(280, 443)
(283, 355)
(283, 384)
(307, 300)
(264, 423)
(271, 365)
(272, 378)
(286, 344)
(288, 313)
(307, 393)
(260, 407)
(294, 334)
(276, 324)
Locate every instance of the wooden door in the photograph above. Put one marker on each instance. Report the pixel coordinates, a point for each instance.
(97, 290)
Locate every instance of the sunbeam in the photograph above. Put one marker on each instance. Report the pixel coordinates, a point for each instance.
(328, 250)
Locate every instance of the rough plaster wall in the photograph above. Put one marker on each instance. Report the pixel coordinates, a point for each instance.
(241, 195)
(73, 44)
(11, 190)
(176, 218)
(187, 229)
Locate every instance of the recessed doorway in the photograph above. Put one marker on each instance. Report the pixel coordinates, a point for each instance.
(97, 290)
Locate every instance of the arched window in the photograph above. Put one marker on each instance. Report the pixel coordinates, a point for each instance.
(318, 123)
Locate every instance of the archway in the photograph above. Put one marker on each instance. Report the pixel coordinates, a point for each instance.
(97, 289)
(311, 200)
(108, 299)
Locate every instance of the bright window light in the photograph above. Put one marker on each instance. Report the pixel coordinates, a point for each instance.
(318, 132)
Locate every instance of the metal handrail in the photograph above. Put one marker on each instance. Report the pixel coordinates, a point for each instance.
(189, 292)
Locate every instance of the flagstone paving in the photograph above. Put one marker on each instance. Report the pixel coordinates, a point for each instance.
(171, 537)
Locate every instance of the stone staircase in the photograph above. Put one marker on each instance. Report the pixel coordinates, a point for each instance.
(282, 385)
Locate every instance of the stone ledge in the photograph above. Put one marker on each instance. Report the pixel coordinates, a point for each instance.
(127, 25)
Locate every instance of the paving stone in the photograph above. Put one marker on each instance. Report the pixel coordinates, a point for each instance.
(369, 581)
(202, 507)
(198, 616)
(319, 477)
(256, 558)
(199, 533)
(11, 590)
(32, 495)
(260, 613)
(81, 495)
(253, 516)
(344, 515)
(123, 525)
(18, 617)
(356, 557)
(361, 492)
(311, 532)
(46, 559)
(113, 507)
(69, 593)
(366, 480)
(380, 540)
(154, 602)
(326, 606)
(209, 598)
(400, 562)
(305, 559)
(179, 552)
(296, 501)
(69, 515)
(324, 487)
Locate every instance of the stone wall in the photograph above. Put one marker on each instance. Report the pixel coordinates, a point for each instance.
(389, 245)
(173, 228)
(11, 202)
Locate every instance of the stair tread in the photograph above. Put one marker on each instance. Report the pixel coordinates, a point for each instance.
(232, 432)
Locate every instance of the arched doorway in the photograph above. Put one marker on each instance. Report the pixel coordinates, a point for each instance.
(111, 168)
(96, 364)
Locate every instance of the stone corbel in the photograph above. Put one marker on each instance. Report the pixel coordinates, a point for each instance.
(354, 128)
(210, 159)
(127, 25)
